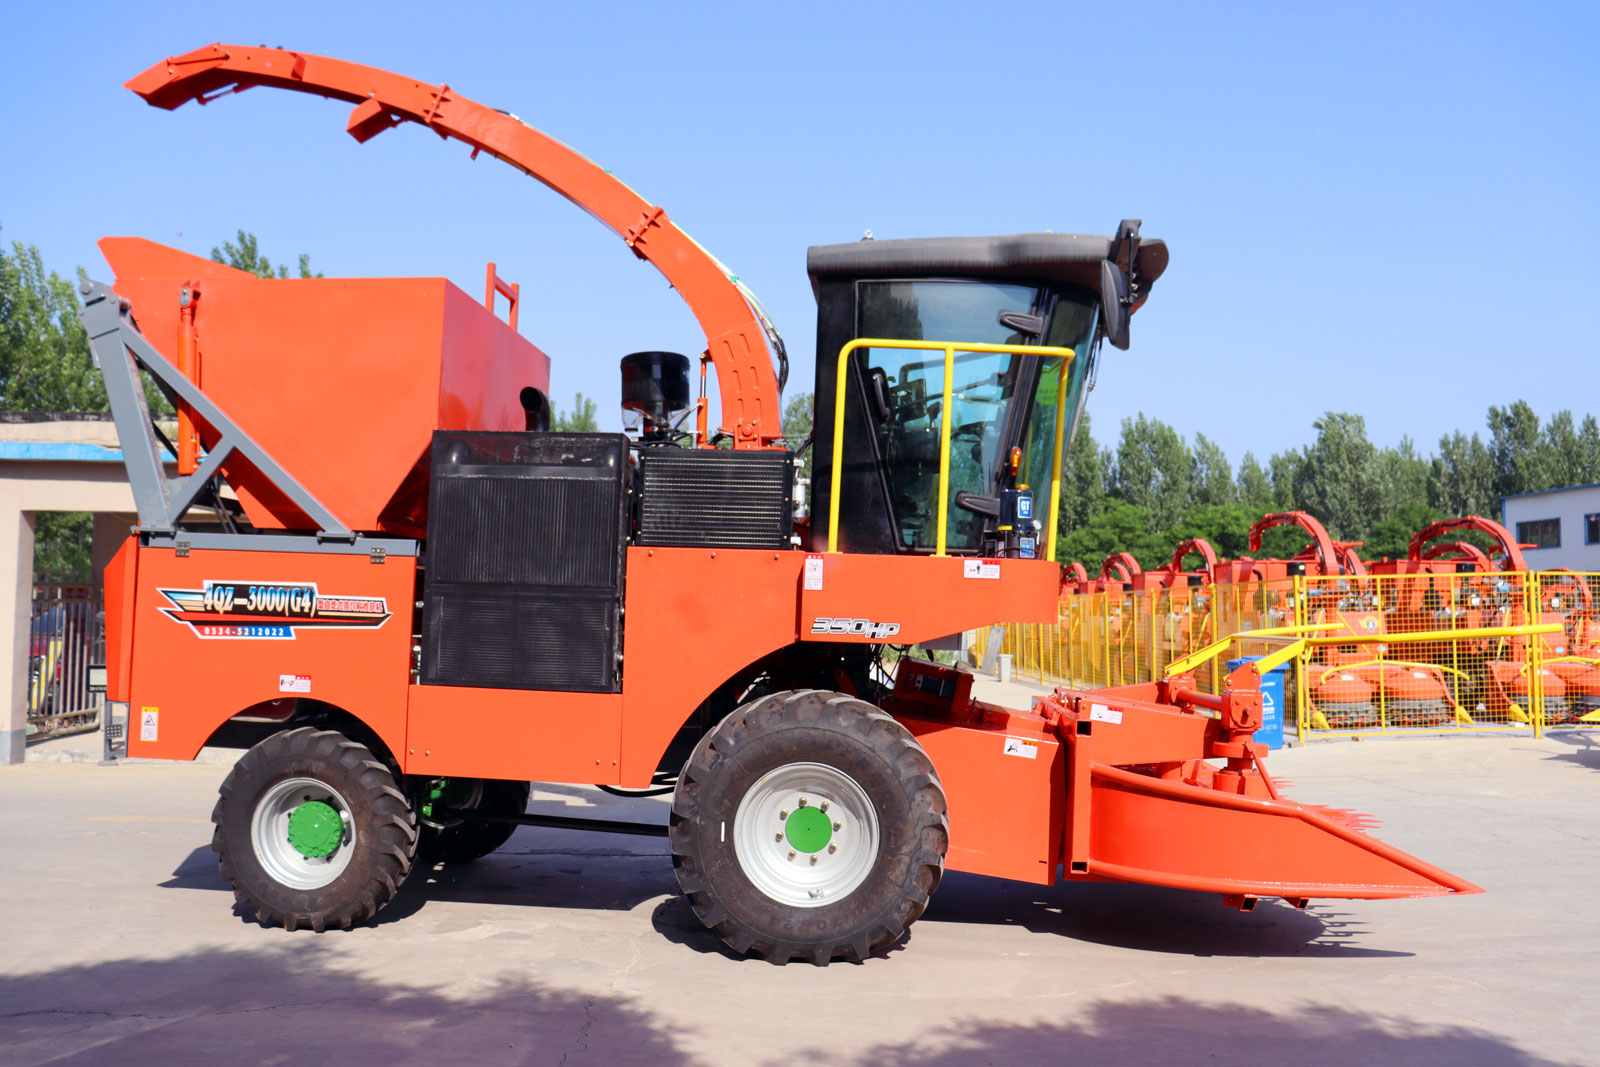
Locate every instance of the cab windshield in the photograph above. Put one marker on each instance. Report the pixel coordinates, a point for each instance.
(905, 392)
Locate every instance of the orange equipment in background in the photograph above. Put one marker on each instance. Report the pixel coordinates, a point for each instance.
(406, 598)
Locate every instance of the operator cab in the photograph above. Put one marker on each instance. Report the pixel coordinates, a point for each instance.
(1044, 289)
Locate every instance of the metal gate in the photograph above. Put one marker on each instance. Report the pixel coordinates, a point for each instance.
(66, 658)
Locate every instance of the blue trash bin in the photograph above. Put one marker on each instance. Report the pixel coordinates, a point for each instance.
(1271, 732)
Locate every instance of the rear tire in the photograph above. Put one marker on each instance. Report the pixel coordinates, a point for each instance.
(468, 839)
(313, 831)
(808, 824)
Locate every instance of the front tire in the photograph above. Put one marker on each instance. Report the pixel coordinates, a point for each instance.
(808, 824)
(313, 831)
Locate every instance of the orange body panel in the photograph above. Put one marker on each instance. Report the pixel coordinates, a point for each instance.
(515, 734)
(1006, 807)
(695, 617)
(194, 677)
(927, 597)
(341, 380)
(121, 578)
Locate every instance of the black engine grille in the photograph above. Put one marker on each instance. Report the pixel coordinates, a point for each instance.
(526, 536)
(717, 498)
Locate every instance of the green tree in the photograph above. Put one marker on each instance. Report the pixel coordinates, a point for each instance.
(1225, 526)
(1083, 478)
(1121, 527)
(44, 352)
(1211, 483)
(1402, 479)
(61, 542)
(1461, 477)
(1390, 535)
(1514, 446)
(1152, 470)
(1570, 452)
(580, 420)
(1589, 450)
(797, 419)
(1254, 489)
(1284, 469)
(247, 255)
(1339, 479)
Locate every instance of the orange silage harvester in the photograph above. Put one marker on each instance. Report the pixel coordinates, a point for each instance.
(1496, 588)
(380, 573)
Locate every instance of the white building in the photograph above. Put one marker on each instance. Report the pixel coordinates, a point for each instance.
(1564, 524)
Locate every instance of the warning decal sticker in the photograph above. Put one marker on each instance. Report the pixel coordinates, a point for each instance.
(294, 683)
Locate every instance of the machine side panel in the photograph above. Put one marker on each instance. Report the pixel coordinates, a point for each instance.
(485, 368)
(907, 599)
(1005, 783)
(220, 631)
(121, 593)
(695, 617)
(519, 734)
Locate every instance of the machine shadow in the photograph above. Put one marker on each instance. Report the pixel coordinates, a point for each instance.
(1145, 918)
(1585, 750)
(601, 872)
(1151, 918)
(306, 1006)
(1177, 1030)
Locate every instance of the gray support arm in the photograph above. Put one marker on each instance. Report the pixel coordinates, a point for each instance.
(120, 351)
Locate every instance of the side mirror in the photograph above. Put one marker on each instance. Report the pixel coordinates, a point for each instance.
(1113, 304)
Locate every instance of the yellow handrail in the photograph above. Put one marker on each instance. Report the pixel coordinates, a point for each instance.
(949, 348)
(1283, 655)
(1221, 644)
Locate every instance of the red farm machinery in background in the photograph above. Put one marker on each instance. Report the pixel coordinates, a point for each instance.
(381, 574)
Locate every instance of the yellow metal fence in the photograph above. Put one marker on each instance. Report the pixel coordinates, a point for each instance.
(1411, 653)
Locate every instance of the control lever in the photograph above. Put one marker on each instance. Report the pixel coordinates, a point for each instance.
(979, 504)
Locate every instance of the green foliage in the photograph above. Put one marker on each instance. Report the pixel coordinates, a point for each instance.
(1152, 470)
(1338, 482)
(1254, 489)
(247, 256)
(1461, 477)
(1156, 490)
(581, 419)
(44, 353)
(1083, 479)
(1391, 534)
(1226, 526)
(1120, 527)
(797, 419)
(61, 541)
(1212, 478)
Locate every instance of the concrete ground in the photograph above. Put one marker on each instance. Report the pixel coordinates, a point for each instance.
(120, 944)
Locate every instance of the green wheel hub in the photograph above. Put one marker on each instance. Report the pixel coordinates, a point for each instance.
(808, 830)
(315, 829)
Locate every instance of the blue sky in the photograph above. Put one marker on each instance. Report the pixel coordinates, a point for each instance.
(1381, 208)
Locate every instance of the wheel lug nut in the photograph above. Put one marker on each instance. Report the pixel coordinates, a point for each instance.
(783, 815)
(813, 861)
(777, 837)
(802, 802)
(791, 853)
(838, 826)
(832, 849)
(823, 806)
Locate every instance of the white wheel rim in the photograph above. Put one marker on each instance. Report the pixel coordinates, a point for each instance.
(269, 834)
(774, 834)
